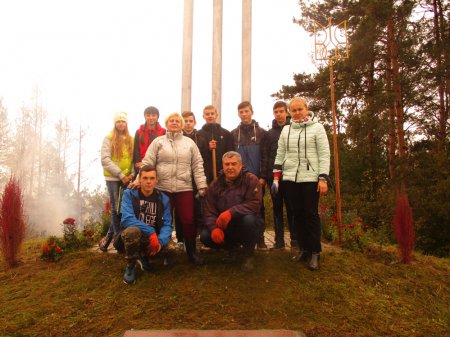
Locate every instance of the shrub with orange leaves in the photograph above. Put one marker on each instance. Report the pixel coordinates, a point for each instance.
(53, 249)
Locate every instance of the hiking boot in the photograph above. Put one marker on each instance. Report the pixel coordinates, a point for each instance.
(261, 245)
(248, 264)
(314, 262)
(294, 244)
(130, 275)
(303, 256)
(191, 251)
(145, 264)
(278, 246)
(104, 243)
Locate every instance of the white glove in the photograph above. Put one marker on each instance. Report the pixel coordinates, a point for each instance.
(274, 187)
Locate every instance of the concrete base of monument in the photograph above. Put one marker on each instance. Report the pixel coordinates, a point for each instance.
(213, 333)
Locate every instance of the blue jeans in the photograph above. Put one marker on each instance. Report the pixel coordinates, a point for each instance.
(113, 190)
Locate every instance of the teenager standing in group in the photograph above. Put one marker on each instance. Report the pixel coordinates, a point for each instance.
(116, 159)
(146, 133)
(217, 141)
(250, 142)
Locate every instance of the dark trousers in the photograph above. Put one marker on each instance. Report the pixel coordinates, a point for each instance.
(304, 201)
(278, 222)
(241, 231)
(262, 218)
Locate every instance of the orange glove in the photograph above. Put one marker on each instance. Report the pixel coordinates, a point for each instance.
(154, 245)
(217, 236)
(223, 219)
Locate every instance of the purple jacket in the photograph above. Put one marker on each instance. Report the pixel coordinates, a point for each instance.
(241, 198)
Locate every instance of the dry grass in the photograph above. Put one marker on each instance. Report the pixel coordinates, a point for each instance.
(353, 295)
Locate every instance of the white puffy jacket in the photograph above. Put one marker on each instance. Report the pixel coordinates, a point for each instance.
(177, 160)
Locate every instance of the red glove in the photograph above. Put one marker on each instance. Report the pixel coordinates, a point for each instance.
(154, 245)
(217, 236)
(223, 219)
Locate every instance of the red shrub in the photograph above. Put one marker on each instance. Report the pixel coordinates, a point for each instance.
(403, 227)
(12, 224)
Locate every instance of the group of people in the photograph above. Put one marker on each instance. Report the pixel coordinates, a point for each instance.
(211, 182)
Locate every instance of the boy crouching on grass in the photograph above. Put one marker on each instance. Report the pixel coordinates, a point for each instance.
(147, 223)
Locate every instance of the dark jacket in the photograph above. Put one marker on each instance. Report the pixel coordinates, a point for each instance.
(242, 197)
(224, 144)
(250, 142)
(272, 145)
(194, 136)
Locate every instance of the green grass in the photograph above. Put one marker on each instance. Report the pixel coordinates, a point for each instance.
(352, 295)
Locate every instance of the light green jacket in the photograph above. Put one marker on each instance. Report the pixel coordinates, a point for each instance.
(115, 169)
(303, 151)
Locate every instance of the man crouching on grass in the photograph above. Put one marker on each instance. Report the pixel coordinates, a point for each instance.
(231, 211)
(147, 221)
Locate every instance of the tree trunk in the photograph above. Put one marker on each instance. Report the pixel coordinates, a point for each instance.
(391, 129)
(438, 36)
(397, 87)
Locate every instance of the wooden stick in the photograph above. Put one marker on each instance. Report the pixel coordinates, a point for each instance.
(214, 163)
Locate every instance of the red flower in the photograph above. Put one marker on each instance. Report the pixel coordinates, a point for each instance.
(69, 221)
(54, 244)
(351, 226)
(366, 227)
(58, 250)
(358, 220)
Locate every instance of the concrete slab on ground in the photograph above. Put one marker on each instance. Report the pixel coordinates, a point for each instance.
(213, 333)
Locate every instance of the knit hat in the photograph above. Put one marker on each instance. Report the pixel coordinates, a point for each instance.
(120, 116)
(151, 110)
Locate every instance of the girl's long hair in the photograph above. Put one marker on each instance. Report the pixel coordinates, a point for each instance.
(118, 141)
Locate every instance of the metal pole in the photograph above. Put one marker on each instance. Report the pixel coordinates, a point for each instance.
(217, 58)
(246, 50)
(336, 157)
(186, 81)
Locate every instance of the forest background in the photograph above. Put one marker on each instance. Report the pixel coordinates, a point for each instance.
(392, 99)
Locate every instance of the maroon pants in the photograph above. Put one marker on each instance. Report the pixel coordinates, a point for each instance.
(183, 204)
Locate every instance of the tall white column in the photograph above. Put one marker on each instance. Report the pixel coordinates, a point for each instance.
(186, 81)
(217, 57)
(246, 50)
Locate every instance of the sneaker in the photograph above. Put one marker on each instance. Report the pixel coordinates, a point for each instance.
(248, 264)
(145, 264)
(168, 261)
(130, 275)
(314, 262)
(180, 246)
(261, 245)
(278, 246)
(104, 243)
(303, 256)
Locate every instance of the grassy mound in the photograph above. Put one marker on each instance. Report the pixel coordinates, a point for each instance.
(352, 295)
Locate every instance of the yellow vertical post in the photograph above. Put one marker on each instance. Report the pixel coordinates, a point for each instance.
(328, 48)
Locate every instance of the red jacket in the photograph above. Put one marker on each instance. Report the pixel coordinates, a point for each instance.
(143, 138)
